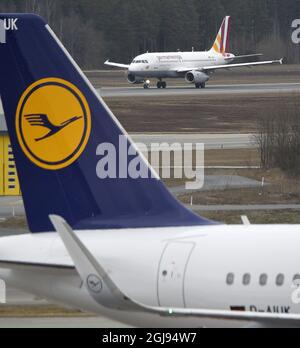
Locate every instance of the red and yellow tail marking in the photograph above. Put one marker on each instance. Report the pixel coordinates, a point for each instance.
(222, 41)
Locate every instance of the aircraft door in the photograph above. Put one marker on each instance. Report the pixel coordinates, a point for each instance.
(171, 274)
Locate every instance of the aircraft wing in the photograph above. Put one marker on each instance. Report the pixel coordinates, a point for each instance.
(117, 65)
(86, 264)
(231, 66)
(263, 319)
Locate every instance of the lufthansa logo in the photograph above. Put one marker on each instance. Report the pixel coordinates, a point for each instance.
(53, 123)
(94, 283)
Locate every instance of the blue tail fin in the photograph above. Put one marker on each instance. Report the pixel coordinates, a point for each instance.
(56, 122)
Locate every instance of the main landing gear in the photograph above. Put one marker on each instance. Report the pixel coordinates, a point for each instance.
(200, 85)
(147, 84)
(161, 84)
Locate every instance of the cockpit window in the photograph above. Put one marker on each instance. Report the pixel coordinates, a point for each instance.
(140, 62)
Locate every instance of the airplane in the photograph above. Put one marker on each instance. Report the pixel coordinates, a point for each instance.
(195, 67)
(121, 247)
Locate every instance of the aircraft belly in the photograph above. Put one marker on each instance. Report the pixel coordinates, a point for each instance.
(157, 74)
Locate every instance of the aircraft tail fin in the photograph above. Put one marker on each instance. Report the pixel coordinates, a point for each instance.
(221, 44)
(62, 134)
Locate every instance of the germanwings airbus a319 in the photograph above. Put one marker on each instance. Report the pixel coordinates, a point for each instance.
(122, 247)
(195, 67)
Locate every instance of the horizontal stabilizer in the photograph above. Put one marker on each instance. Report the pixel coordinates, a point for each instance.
(244, 56)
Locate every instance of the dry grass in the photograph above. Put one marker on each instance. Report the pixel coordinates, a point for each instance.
(281, 189)
(18, 222)
(234, 157)
(47, 311)
(270, 195)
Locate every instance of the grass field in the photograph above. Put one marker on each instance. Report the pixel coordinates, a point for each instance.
(39, 311)
(279, 188)
(196, 113)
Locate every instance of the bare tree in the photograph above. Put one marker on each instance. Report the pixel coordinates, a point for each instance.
(279, 138)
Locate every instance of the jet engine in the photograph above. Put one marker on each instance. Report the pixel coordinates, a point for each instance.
(196, 77)
(135, 79)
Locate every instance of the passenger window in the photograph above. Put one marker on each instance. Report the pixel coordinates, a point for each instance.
(230, 279)
(263, 279)
(296, 280)
(280, 280)
(246, 279)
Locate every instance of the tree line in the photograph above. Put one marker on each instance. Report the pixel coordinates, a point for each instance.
(94, 30)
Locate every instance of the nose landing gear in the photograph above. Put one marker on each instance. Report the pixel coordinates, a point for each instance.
(147, 84)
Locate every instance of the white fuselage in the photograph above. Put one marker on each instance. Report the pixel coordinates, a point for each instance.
(211, 267)
(169, 64)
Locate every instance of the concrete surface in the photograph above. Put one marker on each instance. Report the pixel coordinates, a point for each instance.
(210, 141)
(209, 90)
(219, 182)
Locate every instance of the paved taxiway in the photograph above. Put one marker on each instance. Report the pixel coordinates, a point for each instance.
(261, 88)
(219, 182)
(210, 141)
